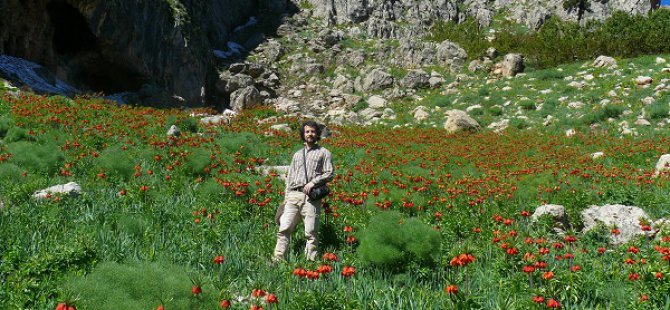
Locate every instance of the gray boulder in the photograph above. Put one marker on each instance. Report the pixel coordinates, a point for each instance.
(70, 189)
(245, 98)
(511, 65)
(555, 212)
(451, 55)
(604, 62)
(458, 121)
(416, 79)
(624, 218)
(377, 79)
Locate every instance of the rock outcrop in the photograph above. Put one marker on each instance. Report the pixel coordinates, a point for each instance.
(114, 45)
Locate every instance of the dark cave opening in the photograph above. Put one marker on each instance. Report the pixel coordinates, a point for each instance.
(79, 51)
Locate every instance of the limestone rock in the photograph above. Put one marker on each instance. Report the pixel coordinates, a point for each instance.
(71, 189)
(458, 120)
(663, 164)
(624, 218)
(555, 212)
(511, 65)
(245, 98)
(376, 102)
(174, 131)
(605, 62)
(415, 79)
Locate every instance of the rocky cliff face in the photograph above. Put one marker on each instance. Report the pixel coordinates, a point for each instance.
(381, 18)
(162, 50)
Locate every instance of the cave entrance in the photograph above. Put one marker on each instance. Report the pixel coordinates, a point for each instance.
(80, 53)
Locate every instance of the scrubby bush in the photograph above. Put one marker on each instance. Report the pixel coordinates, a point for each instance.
(658, 110)
(136, 286)
(5, 124)
(197, 161)
(558, 41)
(40, 158)
(116, 162)
(15, 134)
(392, 242)
(10, 172)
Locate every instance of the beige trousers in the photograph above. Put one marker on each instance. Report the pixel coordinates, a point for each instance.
(298, 206)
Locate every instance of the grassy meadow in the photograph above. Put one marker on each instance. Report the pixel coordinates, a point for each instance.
(417, 218)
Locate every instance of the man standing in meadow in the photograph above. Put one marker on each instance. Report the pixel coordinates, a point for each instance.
(311, 167)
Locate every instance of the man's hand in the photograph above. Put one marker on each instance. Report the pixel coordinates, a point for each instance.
(307, 188)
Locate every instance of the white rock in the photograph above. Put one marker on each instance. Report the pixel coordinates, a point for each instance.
(648, 100)
(71, 188)
(624, 218)
(377, 102)
(570, 132)
(643, 80)
(597, 155)
(660, 60)
(663, 164)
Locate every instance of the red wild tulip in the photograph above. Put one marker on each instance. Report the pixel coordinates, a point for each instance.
(348, 271)
(451, 289)
(256, 307)
(196, 290)
(331, 257)
(218, 260)
(538, 299)
(224, 304)
(548, 275)
(644, 298)
(528, 269)
(258, 293)
(160, 307)
(271, 299)
(633, 276)
(553, 304)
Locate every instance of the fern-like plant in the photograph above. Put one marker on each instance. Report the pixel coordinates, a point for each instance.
(392, 242)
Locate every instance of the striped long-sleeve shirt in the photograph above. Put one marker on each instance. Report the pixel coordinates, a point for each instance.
(319, 168)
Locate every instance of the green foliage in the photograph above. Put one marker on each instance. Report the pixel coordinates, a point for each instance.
(40, 158)
(135, 286)
(322, 300)
(391, 242)
(608, 111)
(5, 124)
(197, 161)
(186, 124)
(557, 41)
(658, 110)
(15, 134)
(117, 162)
(10, 172)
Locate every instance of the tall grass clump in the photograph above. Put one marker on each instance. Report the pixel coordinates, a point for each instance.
(136, 286)
(197, 161)
(391, 242)
(116, 162)
(15, 134)
(39, 158)
(5, 124)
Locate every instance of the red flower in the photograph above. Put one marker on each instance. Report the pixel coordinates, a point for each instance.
(548, 275)
(256, 307)
(331, 257)
(601, 250)
(348, 271)
(576, 268)
(160, 307)
(258, 293)
(348, 229)
(225, 304)
(553, 304)
(525, 213)
(633, 276)
(144, 188)
(300, 272)
(615, 231)
(570, 239)
(451, 289)
(644, 298)
(528, 269)
(218, 260)
(538, 299)
(658, 275)
(196, 290)
(271, 299)
(324, 269)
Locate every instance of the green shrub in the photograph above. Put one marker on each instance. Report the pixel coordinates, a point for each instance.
(15, 134)
(5, 124)
(10, 172)
(658, 110)
(391, 242)
(137, 286)
(40, 158)
(116, 162)
(197, 161)
(187, 124)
